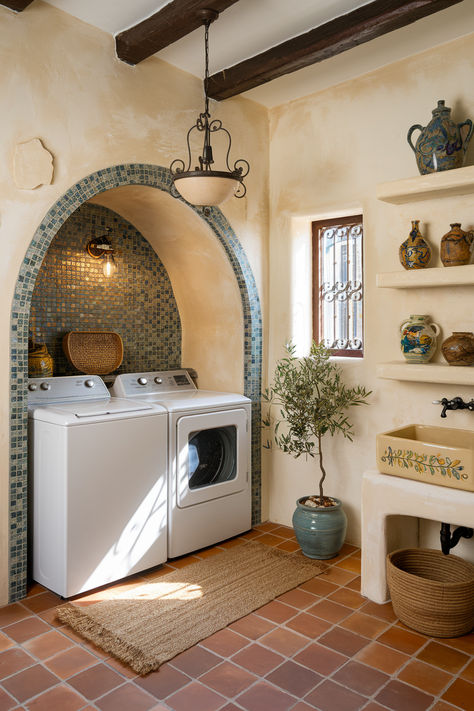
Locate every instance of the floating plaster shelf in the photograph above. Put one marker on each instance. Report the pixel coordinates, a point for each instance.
(426, 372)
(459, 181)
(430, 277)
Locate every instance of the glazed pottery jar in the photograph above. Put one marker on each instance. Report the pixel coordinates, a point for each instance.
(442, 144)
(40, 363)
(458, 348)
(414, 252)
(320, 531)
(418, 342)
(456, 246)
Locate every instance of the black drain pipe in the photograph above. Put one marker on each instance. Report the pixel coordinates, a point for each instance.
(449, 540)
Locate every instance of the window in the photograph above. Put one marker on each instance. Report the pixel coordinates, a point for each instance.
(338, 285)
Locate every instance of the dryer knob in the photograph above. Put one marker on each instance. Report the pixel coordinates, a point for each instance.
(89, 383)
(158, 381)
(32, 387)
(142, 381)
(45, 386)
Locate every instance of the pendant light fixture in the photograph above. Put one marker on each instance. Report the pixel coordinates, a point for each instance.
(203, 185)
(99, 247)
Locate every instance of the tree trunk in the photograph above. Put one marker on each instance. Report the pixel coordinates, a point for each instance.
(321, 466)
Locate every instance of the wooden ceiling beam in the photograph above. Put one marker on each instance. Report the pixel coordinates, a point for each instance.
(362, 25)
(17, 5)
(173, 21)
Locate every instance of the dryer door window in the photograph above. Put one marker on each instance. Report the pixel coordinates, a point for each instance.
(212, 456)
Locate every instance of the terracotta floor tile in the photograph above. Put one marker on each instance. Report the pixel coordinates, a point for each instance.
(228, 679)
(13, 613)
(308, 625)
(7, 702)
(349, 598)
(276, 611)
(464, 643)
(289, 546)
(329, 696)
(285, 642)
(250, 535)
(330, 611)
(5, 642)
(337, 575)
(269, 539)
(284, 532)
(14, 660)
(320, 659)
(399, 696)
(460, 693)
(298, 598)
(51, 618)
(263, 697)
(121, 667)
(354, 584)
(403, 640)
(468, 672)
(126, 698)
(301, 706)
(48, 644)
(374, 706)
(196, 697)
(366, 625)
(447, 658)
(384, 611)
(60, 698)
(225, 642)
(361, 678)
(164, 681)
(252, 626)
(352, 564)
(26, 629)
(95, 681)
(381, 657)
(443, 706)
(183, 562)
(266, 527)
(70, 662)
(294, 678)
(43, 601)
(29, 682)
(425, 677)
(345, 551)
(343, 641)
(195, 661)
(319, 587)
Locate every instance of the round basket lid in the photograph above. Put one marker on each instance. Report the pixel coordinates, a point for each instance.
(93, 352)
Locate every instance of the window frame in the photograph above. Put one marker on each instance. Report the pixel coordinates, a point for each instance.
(317, 318)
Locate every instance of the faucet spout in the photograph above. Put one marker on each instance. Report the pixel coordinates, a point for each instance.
(457, 403)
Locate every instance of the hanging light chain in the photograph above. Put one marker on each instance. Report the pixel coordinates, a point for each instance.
(206, 72)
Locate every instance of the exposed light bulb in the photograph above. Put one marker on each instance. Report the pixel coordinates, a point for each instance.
(109, 267)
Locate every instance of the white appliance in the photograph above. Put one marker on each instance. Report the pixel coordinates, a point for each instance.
(209, 482)
(98, 484)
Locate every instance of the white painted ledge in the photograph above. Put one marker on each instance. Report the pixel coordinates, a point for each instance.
(384, 496)
(425, 187)
(426, 372)
(429, 277)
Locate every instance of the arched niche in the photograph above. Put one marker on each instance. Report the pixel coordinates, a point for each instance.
(141, 194)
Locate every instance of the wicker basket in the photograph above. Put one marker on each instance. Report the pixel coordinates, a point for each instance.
(431, 592)
(93, 352)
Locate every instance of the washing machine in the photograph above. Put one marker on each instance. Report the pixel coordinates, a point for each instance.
(209, 435)
(98, 484)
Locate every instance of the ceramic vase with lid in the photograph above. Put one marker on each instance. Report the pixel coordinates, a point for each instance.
(418, 342)
(40, 362)
(458, 348)
(442, 144)
(414, 252)
(456, 246)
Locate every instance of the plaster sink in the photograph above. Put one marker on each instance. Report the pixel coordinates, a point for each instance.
(434, 455)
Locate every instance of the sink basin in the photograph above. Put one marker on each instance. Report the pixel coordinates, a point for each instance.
(434, 455)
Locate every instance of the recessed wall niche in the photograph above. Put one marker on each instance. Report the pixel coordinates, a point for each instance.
(71, 293)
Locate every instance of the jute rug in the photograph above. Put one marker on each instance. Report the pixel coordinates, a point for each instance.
(157, 620)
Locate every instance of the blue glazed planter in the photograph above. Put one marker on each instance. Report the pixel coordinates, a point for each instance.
(320, 531)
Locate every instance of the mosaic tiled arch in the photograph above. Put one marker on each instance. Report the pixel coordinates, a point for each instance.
(102, 180)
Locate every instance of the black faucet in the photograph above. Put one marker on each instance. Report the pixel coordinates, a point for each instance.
(457, 403)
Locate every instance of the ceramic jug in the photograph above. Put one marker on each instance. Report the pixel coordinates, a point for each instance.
(418, 342)
(414, 252)
(458, 348)
(442, 144)
(456, 246)
(40, 362)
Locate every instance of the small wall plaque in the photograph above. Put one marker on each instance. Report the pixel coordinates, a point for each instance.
(32, 165)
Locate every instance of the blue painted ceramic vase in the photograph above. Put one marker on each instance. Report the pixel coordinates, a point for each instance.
(320, 531)
(414, 252)
(442, 144)
(418, 342)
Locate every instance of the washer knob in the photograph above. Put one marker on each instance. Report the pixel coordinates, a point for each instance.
(142, 381)
(89, 383)
(158, 381)
(45, 386)
(32, 387)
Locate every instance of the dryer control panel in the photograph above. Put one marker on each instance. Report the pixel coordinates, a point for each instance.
(154, 383)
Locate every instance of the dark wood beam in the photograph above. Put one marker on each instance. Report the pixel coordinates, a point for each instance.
(175, 20)
(17, 5)
(362, 25)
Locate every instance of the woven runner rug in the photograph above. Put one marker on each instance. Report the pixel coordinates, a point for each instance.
(155, 621)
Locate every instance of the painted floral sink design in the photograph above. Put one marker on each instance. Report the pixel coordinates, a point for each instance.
(434, 455)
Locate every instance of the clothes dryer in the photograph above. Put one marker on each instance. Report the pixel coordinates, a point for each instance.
(209, 435)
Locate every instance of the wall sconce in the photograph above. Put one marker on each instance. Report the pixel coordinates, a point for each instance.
(99, 247)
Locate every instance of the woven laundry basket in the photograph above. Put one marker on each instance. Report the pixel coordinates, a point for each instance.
(93, 352)
(431, 592)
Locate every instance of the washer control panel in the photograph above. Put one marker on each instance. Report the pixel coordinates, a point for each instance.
(66, 388)
(132, 384)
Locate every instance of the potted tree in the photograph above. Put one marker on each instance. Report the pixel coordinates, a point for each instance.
(312, 401)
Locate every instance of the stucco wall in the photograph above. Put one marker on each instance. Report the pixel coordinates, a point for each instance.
(62, 83)
(328, 152)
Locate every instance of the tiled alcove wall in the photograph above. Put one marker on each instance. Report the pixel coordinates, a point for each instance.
(71, 293)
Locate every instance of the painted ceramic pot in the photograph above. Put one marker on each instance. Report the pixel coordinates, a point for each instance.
(458, 348)
(456, 246)
(40, 363)
(320, 531)
(418, 342)
(414, 252)
(442, 144)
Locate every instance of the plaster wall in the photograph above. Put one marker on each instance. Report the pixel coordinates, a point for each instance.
(328, 152)
(63, 84)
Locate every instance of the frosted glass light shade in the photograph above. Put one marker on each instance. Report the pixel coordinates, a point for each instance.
(206, 188)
